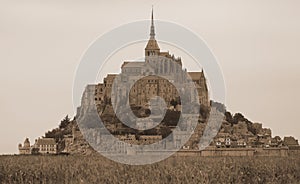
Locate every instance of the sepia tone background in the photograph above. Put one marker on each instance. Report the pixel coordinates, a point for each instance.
(41, 43)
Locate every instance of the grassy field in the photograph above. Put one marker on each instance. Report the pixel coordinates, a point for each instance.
(96, 169)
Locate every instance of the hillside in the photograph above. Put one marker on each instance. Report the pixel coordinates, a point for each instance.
(241, 131)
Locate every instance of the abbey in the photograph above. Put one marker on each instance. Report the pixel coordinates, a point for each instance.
(152, 78)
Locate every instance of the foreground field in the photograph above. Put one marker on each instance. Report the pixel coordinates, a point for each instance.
(96, 169)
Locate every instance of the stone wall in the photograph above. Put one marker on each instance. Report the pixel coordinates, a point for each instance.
(215, 152)
(271, 152)
(281, 152)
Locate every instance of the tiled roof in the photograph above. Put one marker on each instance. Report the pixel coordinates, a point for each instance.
(290, 141)
(133, 64)
(195, 75)
(45, 141)
(152, 45)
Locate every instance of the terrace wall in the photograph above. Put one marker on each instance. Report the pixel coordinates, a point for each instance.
(282, 152)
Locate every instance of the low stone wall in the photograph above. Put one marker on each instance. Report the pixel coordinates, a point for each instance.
(294, 152)
(282, 152)
(215, 152)
(228, 152)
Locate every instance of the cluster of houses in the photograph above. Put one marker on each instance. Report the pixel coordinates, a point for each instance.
(49, 146)
(258, 142)
(41, 146)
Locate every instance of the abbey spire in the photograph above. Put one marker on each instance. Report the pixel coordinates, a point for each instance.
(152, 30)
(152, 48)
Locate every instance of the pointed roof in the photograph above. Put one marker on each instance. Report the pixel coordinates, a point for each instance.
(26, 141)
(152, 30)
(152, 43)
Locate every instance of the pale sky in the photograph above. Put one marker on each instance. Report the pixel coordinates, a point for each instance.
(41, 42)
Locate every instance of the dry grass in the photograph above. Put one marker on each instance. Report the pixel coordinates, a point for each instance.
(96, 169)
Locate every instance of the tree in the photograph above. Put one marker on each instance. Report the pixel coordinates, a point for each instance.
(228, 117)
(64, 123)
(238, 117)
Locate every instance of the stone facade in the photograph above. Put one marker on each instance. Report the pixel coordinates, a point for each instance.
(290, 142)
(41, 146)
(46, 146)
(153, 77)
(25, 149)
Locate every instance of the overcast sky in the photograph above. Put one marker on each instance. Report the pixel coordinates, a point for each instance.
(41, 42)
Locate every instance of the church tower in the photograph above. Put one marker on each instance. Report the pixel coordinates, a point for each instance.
(152, 48)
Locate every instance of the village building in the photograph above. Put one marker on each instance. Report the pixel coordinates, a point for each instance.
(275, 142)
(41, 146)
(129, 138)
(25, 149)
(149, 139)
(291, 142)
(46, 145)
(241, 143)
